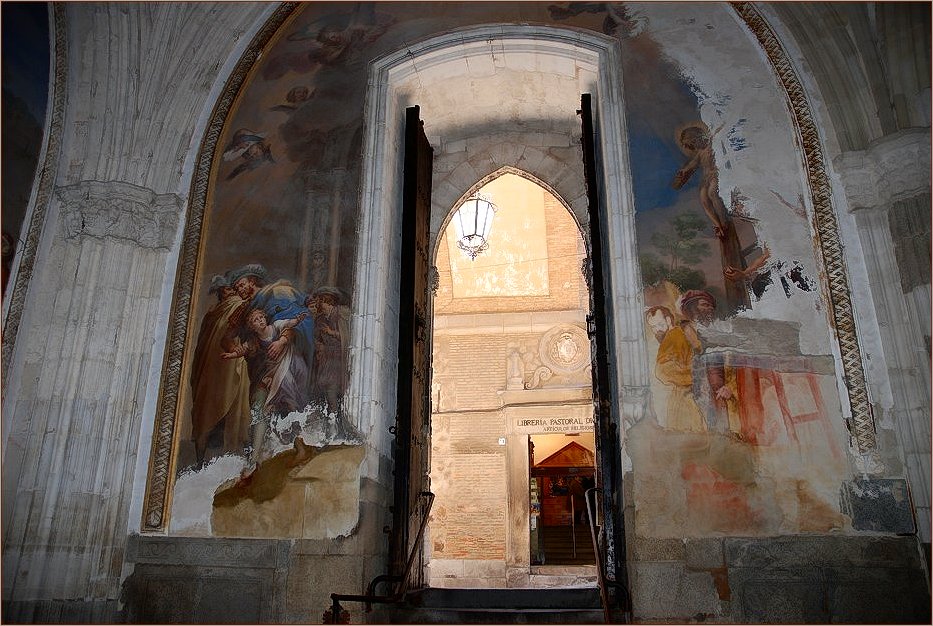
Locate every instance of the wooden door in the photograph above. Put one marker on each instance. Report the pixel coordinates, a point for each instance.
(608, 439)
(413, 426)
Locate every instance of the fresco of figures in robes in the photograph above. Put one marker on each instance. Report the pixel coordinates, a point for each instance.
(262, 410)
(745, 433)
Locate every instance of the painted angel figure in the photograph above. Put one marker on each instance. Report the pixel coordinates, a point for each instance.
(249, 146)
(333, 42)
(616, 23)
(293, 99)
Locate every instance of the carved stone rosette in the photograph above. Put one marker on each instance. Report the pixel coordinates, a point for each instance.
(565, 349)
(824, 224)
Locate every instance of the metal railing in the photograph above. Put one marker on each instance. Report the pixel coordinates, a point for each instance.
(573, 527)
(398, 593)
(602, 582)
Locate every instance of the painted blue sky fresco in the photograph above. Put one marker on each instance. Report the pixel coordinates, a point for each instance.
(659, 101)
(655, 159)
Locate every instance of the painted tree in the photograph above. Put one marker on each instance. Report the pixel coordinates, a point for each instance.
(678, 242)
(679, 250)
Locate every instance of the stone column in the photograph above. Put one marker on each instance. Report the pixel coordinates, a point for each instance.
(518, 542)
(87, 339)
(132, 82)
(888, 186)
(906, 356)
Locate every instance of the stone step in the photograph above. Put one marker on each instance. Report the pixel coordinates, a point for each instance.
(525, 598)
(557, 544)
(500, 606)
(494, 616)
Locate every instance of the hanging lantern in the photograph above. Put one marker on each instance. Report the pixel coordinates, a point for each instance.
(473, 221)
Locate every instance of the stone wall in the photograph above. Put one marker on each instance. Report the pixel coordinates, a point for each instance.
(251, 581)
(566, 289)
(790, 579)
(888, 189)
(87, 322)
(474, 524)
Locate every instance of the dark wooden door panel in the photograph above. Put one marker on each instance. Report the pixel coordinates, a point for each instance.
(608, 438)
(412, 435)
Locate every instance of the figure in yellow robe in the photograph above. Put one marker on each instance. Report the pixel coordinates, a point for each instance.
(674, 367)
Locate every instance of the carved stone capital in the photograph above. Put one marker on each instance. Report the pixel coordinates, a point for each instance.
(891, 168)
(121, 211)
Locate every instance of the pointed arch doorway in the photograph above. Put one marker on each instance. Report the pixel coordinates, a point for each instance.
(511, 374)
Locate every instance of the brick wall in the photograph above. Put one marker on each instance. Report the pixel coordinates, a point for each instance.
(472, 341)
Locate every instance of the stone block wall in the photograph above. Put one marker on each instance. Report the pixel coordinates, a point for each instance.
(784, 579)
(251, 581)
(472, 470)
(203, 580)
(469, 477)
(464, 381)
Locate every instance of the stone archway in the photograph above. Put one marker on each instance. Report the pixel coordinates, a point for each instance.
(589, 63)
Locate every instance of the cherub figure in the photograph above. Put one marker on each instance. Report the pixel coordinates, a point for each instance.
(293, 99)
(249, 146)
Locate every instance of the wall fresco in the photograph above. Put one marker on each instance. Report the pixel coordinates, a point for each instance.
(746, 433)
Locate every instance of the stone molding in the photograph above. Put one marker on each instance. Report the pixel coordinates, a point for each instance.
(214, 552)
(481, 166)
(892, 168)
(503, 323)
(45, 180)
(826, 227)
(118, 210)
(576, 404)
(563, 396)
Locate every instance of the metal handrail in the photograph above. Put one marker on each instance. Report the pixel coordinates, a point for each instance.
(600, 574)
(601, 580)
(370, 597)
(573, 527)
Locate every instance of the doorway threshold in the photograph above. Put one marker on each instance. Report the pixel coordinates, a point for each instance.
(551, 576)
